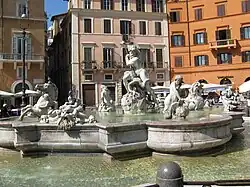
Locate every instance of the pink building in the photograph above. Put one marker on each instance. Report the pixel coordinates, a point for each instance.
(96, 31)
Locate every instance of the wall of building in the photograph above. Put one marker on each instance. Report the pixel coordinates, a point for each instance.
(11, 24)
(237, 72)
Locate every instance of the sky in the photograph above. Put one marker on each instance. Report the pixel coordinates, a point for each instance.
(53, 7)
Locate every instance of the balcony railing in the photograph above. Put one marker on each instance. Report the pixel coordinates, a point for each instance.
(159, 65)
(89, 65)
(223, 44)
(108, 64)
(14, 57)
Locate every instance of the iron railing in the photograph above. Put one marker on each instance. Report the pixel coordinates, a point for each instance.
(19, 56)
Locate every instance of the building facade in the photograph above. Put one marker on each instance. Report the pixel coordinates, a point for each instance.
(97, 31)
(17, 15)
(210, 40)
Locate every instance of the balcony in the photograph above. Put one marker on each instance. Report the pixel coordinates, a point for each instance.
(109, 64)
(19, 57)
(89, 65)
(228, 43)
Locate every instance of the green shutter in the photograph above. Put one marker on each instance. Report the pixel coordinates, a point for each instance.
(28, 47)
(14, 46)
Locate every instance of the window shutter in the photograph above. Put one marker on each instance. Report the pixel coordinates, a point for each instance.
(218, 59)
(243, 6)
(194, 38)
(242, 31)
(217, 35)
(172, 41)
(102, 5)
(121, 27)
(228, 34)
(230, 58)
(112, 4)
(205, 37)
(112, 55)
(206, 60)
(243, 56)
(183, 40)
(195, 61)
(28, 47)
(14, 46)
(178, 16)
(130, 27)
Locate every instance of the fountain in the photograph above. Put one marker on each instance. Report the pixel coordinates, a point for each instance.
(183, 127)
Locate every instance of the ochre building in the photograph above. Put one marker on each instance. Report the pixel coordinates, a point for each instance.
(11, 44)
(210, 40)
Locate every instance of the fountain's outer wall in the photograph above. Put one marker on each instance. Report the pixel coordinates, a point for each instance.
(179, 136)
(117, 138)
(7, 135)
(30, 137)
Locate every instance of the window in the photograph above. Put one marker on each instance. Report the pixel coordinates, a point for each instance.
(221, 10)
(143, 28)
(125, 27)
(245, 32)
(158, 28)
(201, 60)
(19, 72)
(124, 5)
(87, 25)
(198, 13)
(107, 26)
(245, 6)
(108, 56)
(200, 38)
(17, 46)
(177, 40)
(223, 35)
(140, 5)
(108, 77)
(87, 52)
(87, 4)
(107, 4)
(175, 17)
(145, 56)
(22, 7)
(160, 76)
(178, 61)
(157, 5)
(159, 58)
(88, 77)
(245, 56)
(224, 58)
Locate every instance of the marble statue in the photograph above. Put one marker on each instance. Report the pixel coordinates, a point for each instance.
(68, 115)
(231, 100)
(106, 104)
(139, 97)
(195, 99)
(47, 111)
(174, 105)
(46, 101)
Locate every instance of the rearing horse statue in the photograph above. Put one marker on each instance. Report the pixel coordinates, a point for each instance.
(46, 101)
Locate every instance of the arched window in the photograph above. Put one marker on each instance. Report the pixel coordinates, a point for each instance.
(203, 81)
(19, 87)
(225, 81)
(247, 79)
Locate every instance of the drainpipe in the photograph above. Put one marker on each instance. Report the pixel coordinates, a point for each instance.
(189, 47)
(2, 25)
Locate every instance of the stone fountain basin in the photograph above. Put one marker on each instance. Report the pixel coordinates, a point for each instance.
(183, 135)
(138, 136)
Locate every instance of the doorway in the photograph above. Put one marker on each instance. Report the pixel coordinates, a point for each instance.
(88, 94)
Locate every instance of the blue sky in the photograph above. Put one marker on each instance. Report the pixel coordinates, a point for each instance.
(53, 7)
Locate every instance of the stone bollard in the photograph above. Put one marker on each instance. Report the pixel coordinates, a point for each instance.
(169, 175)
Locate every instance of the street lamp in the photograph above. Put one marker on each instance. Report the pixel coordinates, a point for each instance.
(24, 65)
